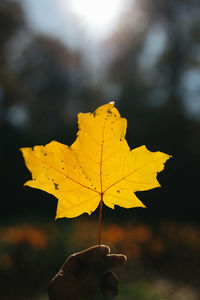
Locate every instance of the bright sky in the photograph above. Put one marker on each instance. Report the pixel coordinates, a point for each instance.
(74, 20)
(80, 24)
(98, 16)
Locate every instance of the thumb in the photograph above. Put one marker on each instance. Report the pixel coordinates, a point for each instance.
(96, 263)
(81, 261)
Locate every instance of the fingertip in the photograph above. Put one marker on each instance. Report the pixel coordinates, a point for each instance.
(123, 258)
(115, 260)
(104, 249)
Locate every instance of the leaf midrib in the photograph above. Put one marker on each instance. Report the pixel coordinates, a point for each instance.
(101, 174)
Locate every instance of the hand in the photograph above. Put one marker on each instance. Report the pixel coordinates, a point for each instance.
(84, 276)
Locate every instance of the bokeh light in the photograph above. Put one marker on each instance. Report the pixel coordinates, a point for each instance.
(99, 17)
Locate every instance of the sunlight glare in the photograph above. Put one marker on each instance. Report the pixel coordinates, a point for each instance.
(99, 16)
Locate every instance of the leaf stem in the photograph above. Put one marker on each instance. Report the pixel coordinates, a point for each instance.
(100, 218)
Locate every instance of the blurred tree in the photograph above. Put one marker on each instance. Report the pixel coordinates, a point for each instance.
(11, 22)
(40, 83)
(149, 71)
(50, 73)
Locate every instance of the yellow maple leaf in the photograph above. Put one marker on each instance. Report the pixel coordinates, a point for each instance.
(98, 167)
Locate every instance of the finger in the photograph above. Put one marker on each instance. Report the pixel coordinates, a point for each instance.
(115, 260)
(110, 281)
(76, 262)
(110, 285)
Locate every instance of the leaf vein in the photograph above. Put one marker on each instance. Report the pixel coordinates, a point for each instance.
(79, 204)
(129, 174)
(73, 180)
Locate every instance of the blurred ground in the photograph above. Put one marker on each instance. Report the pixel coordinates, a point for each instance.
(162, 259)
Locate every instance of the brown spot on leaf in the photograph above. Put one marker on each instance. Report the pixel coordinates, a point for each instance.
(118, 191)
(56, 186)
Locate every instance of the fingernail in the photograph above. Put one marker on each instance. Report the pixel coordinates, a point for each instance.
(104, 249)
(123, 258)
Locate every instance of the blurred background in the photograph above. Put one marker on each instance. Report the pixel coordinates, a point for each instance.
(61, 57)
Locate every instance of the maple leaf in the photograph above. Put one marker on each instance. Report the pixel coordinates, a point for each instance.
(98, 167)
